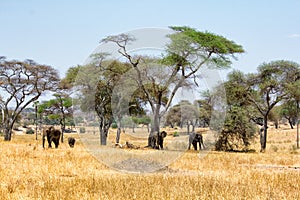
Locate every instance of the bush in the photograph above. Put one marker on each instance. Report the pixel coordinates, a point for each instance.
(237, 133)
(114, 125)
(29, 131)
(82, 130)
(175, 134)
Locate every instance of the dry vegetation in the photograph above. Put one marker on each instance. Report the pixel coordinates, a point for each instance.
(29, 172)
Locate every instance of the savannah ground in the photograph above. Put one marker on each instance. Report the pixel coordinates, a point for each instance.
(27, 171)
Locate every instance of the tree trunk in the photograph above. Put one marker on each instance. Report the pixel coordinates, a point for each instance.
(154, 128)
(291, 122)
(263, 135)
(148, 128)
(118, 131)
(133, 126)
(103, 133)
(188, 127)
(62, 128)
(297, 124)
(7, 134)
(118, 135)
(7, 130)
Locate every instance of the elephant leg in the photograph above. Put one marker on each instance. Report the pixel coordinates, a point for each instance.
(44, 141)
(56, 142)
(161, 143)
(195, 145)
(49, 141)
(203, 144)
(190, 143)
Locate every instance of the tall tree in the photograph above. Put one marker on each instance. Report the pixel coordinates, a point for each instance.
(22, 83)
(188, 51)
(268, 87)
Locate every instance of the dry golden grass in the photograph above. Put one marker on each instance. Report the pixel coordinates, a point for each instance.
(27, 171)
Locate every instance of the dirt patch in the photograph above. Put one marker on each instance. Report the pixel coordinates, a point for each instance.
(138, 165)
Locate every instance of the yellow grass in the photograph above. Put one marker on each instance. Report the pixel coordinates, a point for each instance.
(27, 171)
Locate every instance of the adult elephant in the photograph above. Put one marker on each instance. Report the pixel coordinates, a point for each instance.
(194, 139)
(52, 135)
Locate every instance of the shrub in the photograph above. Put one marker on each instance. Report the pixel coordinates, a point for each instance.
(114, 125)
(175, 134)
(29, 131)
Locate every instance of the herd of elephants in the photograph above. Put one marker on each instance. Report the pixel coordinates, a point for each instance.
(53, 135)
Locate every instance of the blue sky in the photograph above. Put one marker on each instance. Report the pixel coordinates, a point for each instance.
(62, 33)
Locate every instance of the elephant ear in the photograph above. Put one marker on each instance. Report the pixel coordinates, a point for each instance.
(164, 134)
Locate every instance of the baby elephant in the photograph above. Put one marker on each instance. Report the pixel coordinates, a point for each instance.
(160, 139)
(71, 141)
(194, 139)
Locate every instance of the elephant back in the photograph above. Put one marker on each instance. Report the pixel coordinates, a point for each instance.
(56, 133)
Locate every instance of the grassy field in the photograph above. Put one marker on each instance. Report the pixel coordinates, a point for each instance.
(27, 171)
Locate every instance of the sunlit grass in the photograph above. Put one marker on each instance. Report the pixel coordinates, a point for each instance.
(27, 171)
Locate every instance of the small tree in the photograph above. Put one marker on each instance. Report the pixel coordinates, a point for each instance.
(237, 132)
(289, 111)
(59, 108)
(21, 84)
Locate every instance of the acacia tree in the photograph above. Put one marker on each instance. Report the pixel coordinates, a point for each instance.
(22, 83)
(188, 51)
(268, 87)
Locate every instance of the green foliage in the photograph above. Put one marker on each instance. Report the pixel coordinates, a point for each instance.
(175, 134)
(288, 110)
(70, 78)
(114, 125)
(29, 131)
(144, 120)
(181, 113)
(196, 42)
(237, 133)
(255, 95)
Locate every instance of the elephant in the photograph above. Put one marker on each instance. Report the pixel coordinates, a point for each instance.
(53, 135)
(194, 139)
(71, 142)
(157, 141)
